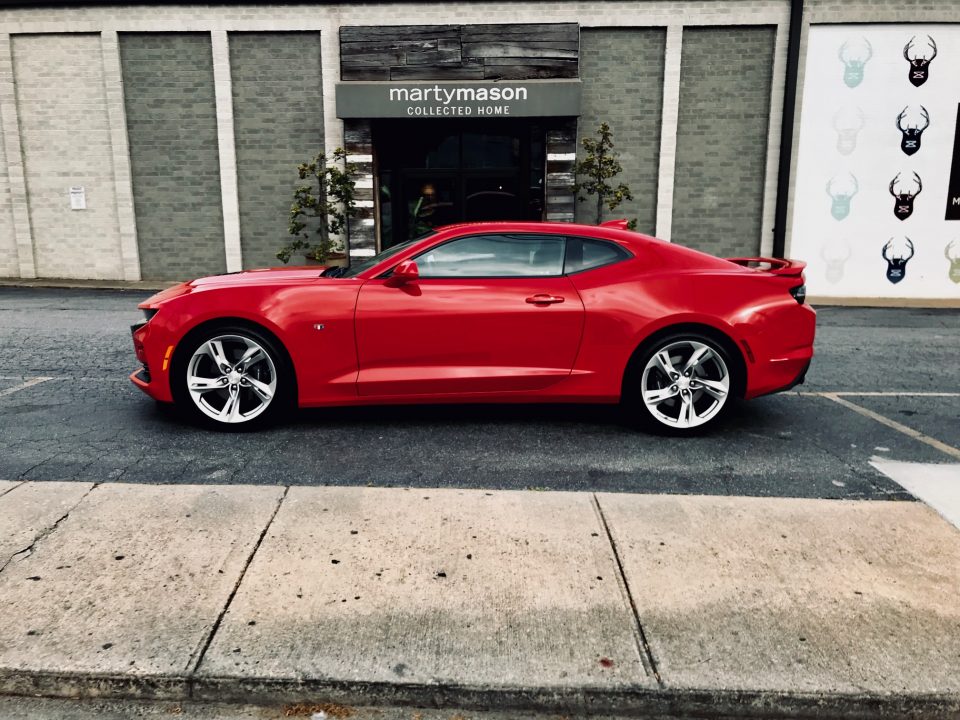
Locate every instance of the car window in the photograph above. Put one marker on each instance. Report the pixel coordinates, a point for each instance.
(356, 268)
(495, 256)
(587, 253)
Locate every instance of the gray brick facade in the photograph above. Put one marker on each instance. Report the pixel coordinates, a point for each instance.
(622, 73)
(172, 129)
(278, 123)
(722, 129)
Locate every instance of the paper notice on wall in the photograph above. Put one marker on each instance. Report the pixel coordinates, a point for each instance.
(78, 198)
(873, 202)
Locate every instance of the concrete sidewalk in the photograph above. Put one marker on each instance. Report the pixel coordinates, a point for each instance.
(577, 602)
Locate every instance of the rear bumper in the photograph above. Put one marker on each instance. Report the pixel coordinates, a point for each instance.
(783, 350)
(798, 377)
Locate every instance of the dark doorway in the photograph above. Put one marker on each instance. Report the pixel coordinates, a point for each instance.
(437, 172)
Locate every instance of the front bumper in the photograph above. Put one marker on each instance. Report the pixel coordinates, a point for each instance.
(153, 375)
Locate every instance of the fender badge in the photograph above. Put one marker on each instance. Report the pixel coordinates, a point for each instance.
(318, 326)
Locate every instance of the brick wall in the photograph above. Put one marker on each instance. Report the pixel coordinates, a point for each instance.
(622, 72)
(278, 123)
(9, 267)
(172, 128)
(65, 140)
(722, 128)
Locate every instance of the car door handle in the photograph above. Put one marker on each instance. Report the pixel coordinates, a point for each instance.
(544, 299)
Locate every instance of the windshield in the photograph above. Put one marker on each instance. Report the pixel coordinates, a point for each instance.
(356, 268)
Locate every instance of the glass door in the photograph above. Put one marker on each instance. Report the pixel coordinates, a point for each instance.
(439, 172)
(491, 197)
(430, 199)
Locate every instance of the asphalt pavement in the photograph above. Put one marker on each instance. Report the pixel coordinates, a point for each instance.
(88, 423)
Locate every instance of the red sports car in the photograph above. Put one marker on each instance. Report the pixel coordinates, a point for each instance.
(485, 312)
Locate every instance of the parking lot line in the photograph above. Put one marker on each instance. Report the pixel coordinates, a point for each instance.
(854, 393)
(24, 385)
(883, 420)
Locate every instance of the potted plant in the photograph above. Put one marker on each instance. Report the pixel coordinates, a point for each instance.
(600, 164)
(322, 205)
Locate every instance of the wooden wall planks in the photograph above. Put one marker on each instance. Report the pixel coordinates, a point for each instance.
(459, 52)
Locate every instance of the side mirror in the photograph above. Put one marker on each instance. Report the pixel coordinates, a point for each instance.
(407, 271)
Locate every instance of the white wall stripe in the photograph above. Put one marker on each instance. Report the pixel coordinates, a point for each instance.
(777, 90)
(668, 130)
(223, 87)
(117, 116)
(330, 61)
(15, 171)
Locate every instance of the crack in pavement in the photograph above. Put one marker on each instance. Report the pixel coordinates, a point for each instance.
(46, 532)
(11, 489)
(643, 646)
(23, 475)
(201, 650)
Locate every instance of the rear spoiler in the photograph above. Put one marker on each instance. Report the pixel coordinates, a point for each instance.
(774, 266)
(621, 224)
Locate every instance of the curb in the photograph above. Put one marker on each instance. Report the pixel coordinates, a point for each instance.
(880, 302)
(635, 702)
(86, 284)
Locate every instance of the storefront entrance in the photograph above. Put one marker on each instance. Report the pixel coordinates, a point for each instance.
(437, 172)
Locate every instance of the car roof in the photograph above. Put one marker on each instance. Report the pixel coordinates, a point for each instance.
(627, 237)
(637, 243)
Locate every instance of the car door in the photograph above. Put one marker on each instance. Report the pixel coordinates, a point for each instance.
(489, 313)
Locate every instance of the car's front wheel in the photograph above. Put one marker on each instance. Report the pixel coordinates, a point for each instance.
(230, 378)
(681, 384)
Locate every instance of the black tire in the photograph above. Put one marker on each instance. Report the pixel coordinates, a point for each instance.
(274, 369)
(654, 417)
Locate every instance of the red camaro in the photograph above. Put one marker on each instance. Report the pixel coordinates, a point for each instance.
(485, 312)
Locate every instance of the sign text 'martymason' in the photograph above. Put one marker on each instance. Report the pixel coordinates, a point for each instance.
(534, 98)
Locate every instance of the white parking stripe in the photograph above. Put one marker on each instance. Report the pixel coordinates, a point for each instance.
(883, 420)
(24, 385)
(936, 485)
(851, 393)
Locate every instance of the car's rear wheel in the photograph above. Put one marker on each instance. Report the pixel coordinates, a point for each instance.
(681, 384)
(230, 378)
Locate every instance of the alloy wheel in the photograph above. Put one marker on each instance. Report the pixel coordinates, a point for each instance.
(231, 378)
(685, 384)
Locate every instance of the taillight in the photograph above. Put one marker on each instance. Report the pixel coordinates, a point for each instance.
(799, 293)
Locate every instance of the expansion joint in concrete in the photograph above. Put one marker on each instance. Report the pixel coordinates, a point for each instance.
(46, 532)
(194, 666)
(10, 489)
(643, 647)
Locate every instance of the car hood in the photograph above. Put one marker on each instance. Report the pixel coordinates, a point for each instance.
(306, 272)
(246, 277)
